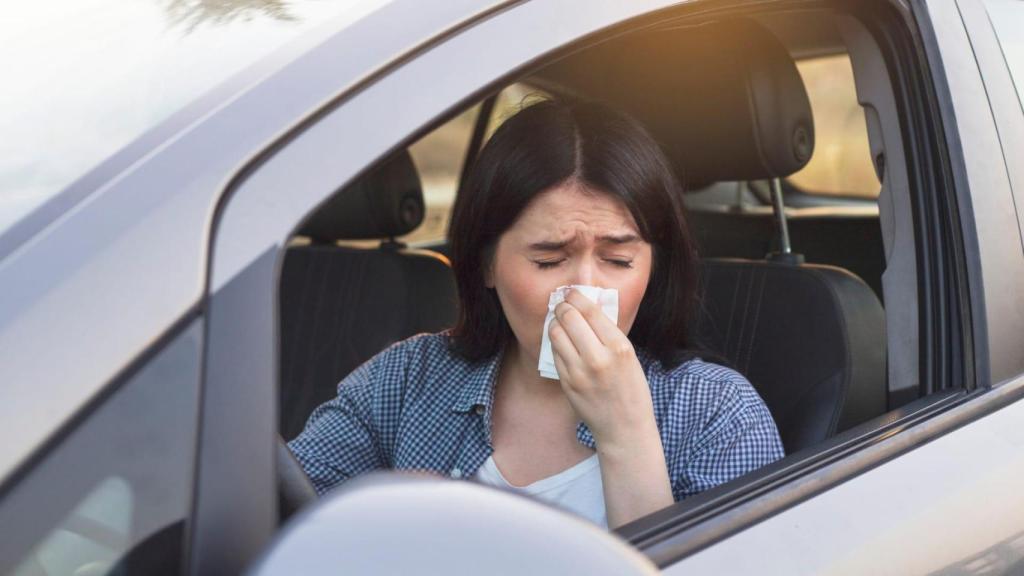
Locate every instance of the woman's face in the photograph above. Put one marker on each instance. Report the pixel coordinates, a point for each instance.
(567, 235)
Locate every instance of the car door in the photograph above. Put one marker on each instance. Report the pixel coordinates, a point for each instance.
(787, 521)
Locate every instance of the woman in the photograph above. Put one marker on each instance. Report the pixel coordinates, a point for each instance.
(564, 193)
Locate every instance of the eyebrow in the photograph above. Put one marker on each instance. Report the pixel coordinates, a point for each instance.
(621, 239)
(552, 245)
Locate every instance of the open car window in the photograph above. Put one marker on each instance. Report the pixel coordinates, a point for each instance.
(846, 246)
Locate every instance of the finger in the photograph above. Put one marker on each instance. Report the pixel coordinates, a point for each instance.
(606, 330)
(579, 331)
(563, 370)
(561, 344)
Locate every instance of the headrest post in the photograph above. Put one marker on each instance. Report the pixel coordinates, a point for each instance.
(785, 253)
(780, 216)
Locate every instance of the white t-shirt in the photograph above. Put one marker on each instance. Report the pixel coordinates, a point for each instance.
(577, 489)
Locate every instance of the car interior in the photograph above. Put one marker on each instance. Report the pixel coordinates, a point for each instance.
(794, 279)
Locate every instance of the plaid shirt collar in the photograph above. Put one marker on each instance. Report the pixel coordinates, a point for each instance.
(478, 385)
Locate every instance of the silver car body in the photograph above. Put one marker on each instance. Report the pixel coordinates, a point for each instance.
(192, 226)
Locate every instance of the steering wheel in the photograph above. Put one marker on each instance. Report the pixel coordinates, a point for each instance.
(294, 490)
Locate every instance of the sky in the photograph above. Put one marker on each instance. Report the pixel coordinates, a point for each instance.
(83, 78)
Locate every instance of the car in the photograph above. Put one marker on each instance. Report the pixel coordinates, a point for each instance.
(212, 212)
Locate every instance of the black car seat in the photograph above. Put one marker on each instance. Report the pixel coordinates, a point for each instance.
(341, 305)
(726, 102)
(810, 337)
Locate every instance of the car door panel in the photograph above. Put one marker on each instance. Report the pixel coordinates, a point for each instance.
(898, 517)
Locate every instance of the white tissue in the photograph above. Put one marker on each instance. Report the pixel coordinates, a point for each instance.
(607, 298)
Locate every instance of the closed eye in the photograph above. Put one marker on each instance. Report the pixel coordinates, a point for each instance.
(545, 264)
(621, 263)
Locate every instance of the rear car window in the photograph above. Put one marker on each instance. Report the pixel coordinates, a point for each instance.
(841, 164)
(440, 155)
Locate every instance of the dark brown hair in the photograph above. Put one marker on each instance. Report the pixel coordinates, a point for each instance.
(542, 146)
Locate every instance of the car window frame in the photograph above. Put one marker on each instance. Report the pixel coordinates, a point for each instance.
(250, 190)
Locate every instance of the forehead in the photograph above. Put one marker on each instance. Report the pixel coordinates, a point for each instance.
(572, 204)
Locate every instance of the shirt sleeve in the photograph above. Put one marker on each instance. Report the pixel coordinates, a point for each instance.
(737, 435)
(341, 438)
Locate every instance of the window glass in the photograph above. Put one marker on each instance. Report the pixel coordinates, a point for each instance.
(1007, 17)
(91, 538)
(113, 495)
(439, 158)
(511, 100)
(841, 165)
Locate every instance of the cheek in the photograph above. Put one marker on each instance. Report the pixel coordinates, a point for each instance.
(523, 293)
(631, 294)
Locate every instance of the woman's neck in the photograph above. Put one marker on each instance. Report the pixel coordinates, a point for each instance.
(519, 373)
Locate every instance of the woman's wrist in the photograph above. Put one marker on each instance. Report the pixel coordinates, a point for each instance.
(635, 477)
(628, 442)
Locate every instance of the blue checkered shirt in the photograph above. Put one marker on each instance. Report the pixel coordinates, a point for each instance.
(419, 406)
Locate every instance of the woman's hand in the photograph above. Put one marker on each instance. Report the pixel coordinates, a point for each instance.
(606, 385)
(600, 373)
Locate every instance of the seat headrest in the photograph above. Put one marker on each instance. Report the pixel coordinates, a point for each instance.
(724, 99)
(383, 203)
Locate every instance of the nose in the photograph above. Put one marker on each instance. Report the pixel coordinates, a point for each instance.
(584, 273)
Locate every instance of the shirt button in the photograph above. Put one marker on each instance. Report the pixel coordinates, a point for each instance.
(456, 473)
(480, 409)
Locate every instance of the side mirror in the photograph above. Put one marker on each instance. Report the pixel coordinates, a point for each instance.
(392, 523)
